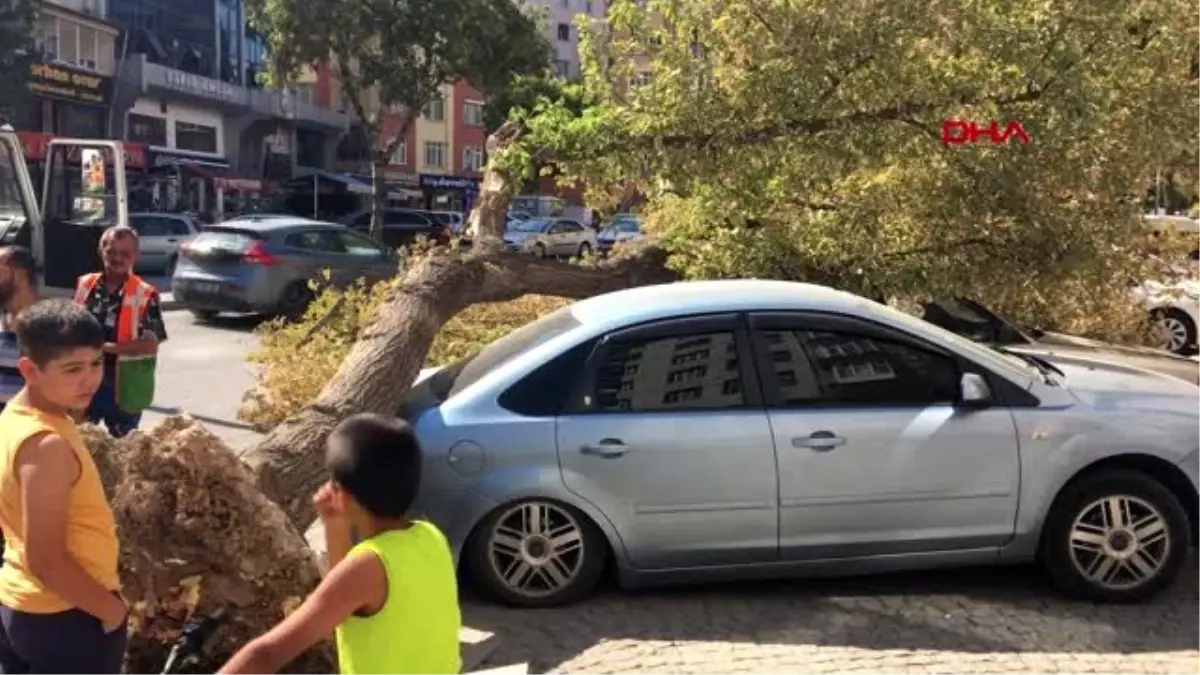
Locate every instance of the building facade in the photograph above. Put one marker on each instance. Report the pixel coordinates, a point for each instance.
(188, 89)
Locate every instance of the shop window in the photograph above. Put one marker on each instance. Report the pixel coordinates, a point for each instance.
(195, 137)
(147, 129)
(436, 110)
(79, 121)
(435, 154)
(473, 113)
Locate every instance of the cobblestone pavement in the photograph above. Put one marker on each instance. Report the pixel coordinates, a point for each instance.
(963, 621)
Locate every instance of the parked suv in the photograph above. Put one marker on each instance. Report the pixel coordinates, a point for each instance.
(401, 227)
(264, 266)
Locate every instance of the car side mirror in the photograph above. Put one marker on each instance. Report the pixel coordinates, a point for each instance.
(974, 390)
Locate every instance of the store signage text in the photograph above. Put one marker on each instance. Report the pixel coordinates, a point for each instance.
(448, 183)
(68, 84)
(200, 86)
(958, 132)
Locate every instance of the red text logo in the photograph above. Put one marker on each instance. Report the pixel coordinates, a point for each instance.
(957, 132)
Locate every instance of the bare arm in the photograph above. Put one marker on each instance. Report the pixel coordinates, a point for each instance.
(356, 583)
(47, 468)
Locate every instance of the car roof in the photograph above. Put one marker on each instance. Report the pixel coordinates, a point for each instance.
(646, 303)
(274, 223)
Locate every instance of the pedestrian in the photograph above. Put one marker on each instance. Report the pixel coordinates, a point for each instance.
(391, 599)
(60, 605)
(129, 310)
(18, 290)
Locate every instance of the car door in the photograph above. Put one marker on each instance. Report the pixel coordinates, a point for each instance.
(555, 236)
(366, 259)
(875, 455)
(664, 433)
(179, 229)
(313, 251)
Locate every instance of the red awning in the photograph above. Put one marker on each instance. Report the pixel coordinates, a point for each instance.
(223, 180)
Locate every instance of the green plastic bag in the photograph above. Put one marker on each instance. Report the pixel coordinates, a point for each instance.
(135, 382)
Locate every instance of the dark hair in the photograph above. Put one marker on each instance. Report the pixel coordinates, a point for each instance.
(50, 328)
(21, 259)
(377, 460)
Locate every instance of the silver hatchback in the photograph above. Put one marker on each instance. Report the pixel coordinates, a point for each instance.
(264, 266)
(724, 429)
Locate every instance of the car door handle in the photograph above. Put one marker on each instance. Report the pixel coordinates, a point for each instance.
(820, 441)
(609, 447)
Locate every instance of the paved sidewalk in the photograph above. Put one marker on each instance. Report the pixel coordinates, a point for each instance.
(970, 621)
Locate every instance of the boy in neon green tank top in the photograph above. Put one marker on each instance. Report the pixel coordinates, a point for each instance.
(392, 598)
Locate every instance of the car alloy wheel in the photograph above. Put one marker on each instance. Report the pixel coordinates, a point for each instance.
(1115, 535)
(536, 549)
(1174, 330)
(1120, 542)
(536, 553)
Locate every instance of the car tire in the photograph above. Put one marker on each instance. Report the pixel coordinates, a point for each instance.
(204, 315)
(1090, 554)
(1177, 329)
(584, 249)
(295, 301)
(505, 545)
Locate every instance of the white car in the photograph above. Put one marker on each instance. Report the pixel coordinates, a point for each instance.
(551, 237)
(159, 237)
(1174, 308)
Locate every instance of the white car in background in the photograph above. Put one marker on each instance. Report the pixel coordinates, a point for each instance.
(1175, 310)
(159, 237)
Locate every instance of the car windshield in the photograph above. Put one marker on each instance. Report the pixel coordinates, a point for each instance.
(626, 225)
(532, 225)
(467, 371)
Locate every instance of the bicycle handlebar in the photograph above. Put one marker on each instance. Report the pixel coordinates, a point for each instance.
(196, 632)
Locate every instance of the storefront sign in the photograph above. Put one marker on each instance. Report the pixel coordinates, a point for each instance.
(461, 183)
(402, 178)
(69, 84)
(160, 158)
(35, 146)
(200, 86)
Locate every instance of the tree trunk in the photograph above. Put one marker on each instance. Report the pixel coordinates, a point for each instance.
(392, 349)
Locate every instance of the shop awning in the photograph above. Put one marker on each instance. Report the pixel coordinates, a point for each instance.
(222, 179)
(349, 181)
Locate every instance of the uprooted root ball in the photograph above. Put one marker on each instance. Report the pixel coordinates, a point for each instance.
(196, 534)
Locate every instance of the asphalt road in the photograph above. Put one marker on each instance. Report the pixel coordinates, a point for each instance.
(202, 370)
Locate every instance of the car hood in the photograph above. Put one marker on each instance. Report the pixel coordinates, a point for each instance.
(1110, 384)
(514, 237)
(1069, 349)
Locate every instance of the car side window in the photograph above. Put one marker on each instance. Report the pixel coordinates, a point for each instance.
(178, 228)
(571, 226)
(358, 245)
(555, 228)
(322, 241)
(150, 226)
(684, 372)
(802, 367)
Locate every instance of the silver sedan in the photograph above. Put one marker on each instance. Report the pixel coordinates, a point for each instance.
(710, 430)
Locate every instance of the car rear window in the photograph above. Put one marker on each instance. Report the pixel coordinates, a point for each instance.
(223, 239)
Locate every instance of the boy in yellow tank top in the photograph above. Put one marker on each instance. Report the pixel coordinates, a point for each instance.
(60, 606)
(392, 599)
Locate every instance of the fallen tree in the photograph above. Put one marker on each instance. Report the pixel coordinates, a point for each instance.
(391, 351)
(197, 535)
